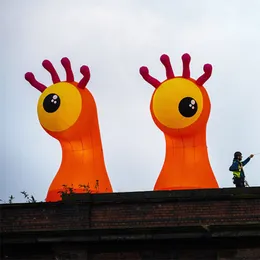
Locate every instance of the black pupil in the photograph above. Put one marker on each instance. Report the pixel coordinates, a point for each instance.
(51, 103)
(188, 107)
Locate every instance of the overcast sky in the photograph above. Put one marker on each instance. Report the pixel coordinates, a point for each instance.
(114, 38)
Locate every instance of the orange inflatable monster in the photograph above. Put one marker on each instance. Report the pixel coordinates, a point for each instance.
(67, 111)
(180, 108)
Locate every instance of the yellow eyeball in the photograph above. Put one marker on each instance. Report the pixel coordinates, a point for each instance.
(59, 106)
(177, 103)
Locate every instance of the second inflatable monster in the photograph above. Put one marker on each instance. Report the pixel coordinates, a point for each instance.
(180, 108)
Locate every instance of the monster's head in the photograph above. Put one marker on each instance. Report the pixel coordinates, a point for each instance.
(179, 105)
(65, 106)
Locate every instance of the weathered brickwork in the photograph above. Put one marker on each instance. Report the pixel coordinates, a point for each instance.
(179, 225)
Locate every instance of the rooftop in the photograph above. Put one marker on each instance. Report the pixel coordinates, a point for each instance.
(131, 217)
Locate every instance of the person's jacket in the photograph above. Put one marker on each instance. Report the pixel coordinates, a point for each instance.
(237, 169)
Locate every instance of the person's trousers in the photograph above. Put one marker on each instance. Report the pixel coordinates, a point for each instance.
(239, 182)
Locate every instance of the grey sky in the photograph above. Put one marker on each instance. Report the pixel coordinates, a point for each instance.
(114, 38)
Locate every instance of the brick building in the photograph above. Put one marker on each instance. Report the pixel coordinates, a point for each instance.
(178, 225)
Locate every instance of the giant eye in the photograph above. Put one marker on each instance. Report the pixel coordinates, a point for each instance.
(51, 103)
(177, 103)
(59, 106)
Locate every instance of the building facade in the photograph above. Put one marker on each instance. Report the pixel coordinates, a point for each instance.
(214, 224)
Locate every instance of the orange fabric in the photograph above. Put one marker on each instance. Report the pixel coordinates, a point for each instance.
(186, 164)
(82, 154)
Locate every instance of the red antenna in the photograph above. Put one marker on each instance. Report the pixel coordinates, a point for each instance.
(29, 76)
(170, 74)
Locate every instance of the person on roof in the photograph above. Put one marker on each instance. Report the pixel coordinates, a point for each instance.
(237, 169)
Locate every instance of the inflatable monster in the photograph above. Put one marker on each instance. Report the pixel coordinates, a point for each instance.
(180, 107)
(67, 111)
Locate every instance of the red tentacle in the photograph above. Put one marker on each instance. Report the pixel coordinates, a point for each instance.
(67, 66)
(186, 65)
(49, 67)
(148, 78)
(86, 76)
(168, 67)
(207, 73)
(31, 79)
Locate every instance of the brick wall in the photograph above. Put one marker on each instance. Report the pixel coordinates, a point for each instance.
(175, 214)
(198, 224)
(43, 217)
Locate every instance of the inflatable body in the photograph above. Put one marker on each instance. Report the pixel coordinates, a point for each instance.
(67, 111)
(180, 108)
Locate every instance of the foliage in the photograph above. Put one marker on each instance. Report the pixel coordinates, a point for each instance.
(11, 198)
(30, 199)
(67, 190)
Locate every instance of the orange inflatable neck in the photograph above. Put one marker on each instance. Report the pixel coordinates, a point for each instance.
(186, 164)
(82, 165)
